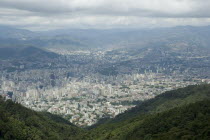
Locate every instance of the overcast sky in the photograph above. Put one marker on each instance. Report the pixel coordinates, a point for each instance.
(52, 14)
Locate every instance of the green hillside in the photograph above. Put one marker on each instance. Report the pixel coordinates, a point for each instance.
(187, 122)
(168, 100)
(129, 120)
(20, 123)
(177, 114)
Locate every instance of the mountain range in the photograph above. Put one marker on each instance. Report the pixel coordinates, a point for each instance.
(109, 38)
(25, 53)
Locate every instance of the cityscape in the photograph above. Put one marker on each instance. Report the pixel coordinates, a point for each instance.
(83, 94)
(104, 70)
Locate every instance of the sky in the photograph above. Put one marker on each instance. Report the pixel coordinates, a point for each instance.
(54, 14)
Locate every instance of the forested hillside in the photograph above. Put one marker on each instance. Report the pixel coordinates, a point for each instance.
(187, 122)
(126, 125)
(168, 100)
(177, 114)
(20, 123)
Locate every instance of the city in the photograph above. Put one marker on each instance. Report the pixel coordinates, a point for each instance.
(104, 70)
(85, 93)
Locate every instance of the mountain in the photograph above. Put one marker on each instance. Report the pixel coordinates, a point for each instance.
(186, 122)
(169, 100)
(179, 104)
(20, 123)
(25, 57)
(25, 53)
(181, 36)
(138, 38)
(13, 37)
(15, 33)
(178, 114)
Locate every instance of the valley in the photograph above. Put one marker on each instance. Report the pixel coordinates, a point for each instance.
(85, 83)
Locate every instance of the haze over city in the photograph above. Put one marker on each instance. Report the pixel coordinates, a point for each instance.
(104, 69)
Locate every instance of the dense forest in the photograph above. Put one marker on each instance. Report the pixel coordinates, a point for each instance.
(177, 114)
(20, 123)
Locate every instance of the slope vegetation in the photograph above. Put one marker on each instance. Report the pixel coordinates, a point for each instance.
(127, 122)
(178, 114)
(20, 123)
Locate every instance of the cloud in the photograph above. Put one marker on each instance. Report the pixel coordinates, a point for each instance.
(103, 13)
